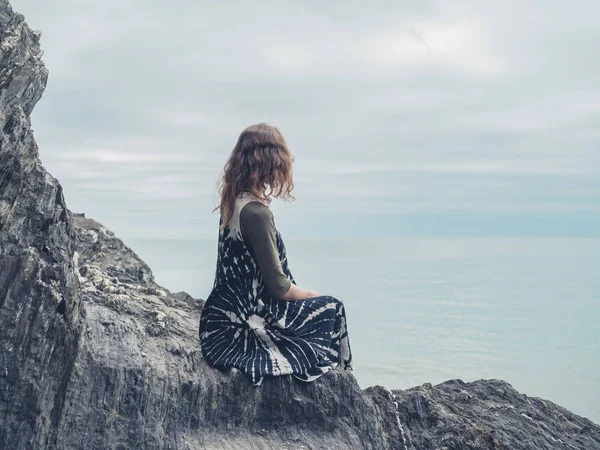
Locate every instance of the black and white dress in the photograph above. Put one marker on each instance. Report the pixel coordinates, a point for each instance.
(243, 326)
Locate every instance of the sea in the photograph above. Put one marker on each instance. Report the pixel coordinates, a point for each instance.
(524, 310)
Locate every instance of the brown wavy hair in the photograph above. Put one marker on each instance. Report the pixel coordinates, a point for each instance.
(260, 163)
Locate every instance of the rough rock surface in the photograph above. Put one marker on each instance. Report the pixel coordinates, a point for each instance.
(488, 414)
(95, 355)
(40, 310)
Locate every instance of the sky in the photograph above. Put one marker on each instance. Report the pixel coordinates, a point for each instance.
(410, 118)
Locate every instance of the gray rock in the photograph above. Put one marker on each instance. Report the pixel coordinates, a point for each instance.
(489, 414)
(94, 354)
(41, 314)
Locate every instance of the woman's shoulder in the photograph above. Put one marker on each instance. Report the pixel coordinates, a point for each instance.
(248, 209)
(255, 211)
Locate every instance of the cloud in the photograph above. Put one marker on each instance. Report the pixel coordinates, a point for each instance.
(407, 106)
(119, 156)
(529, 167)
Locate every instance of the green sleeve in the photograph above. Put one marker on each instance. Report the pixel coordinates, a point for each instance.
(258, 230)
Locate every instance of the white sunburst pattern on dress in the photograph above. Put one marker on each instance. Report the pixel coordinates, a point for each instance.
(242, 326)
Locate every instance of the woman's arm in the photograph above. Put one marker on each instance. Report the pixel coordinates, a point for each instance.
(295, 293)
(258, 231)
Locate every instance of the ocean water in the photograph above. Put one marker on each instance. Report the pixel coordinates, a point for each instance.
(426, 310)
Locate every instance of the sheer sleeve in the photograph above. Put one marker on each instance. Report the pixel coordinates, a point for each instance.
(258, 231)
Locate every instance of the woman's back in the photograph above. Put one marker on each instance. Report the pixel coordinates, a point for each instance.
(242, 325)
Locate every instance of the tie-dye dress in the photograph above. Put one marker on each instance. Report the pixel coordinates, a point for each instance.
(242, 326)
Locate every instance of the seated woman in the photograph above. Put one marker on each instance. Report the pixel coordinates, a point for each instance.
(256, 318)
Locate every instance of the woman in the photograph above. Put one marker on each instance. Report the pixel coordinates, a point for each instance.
(256, 318)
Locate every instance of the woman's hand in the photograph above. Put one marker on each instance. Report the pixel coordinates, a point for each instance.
(295, 293)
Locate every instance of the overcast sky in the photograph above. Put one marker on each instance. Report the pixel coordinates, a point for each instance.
(406, 118)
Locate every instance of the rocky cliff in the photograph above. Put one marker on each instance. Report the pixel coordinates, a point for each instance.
(95, 355)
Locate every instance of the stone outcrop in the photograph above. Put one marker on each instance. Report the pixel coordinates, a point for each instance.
(95, 355)
(488, 414)
(41, 314)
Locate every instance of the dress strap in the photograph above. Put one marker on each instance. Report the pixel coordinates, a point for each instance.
(242, 199)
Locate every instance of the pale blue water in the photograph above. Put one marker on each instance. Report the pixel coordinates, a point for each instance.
(426, 310)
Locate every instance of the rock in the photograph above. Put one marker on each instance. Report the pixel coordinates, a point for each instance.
(94, 354)
(41, 315)
(184, 299)
(494, 416)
